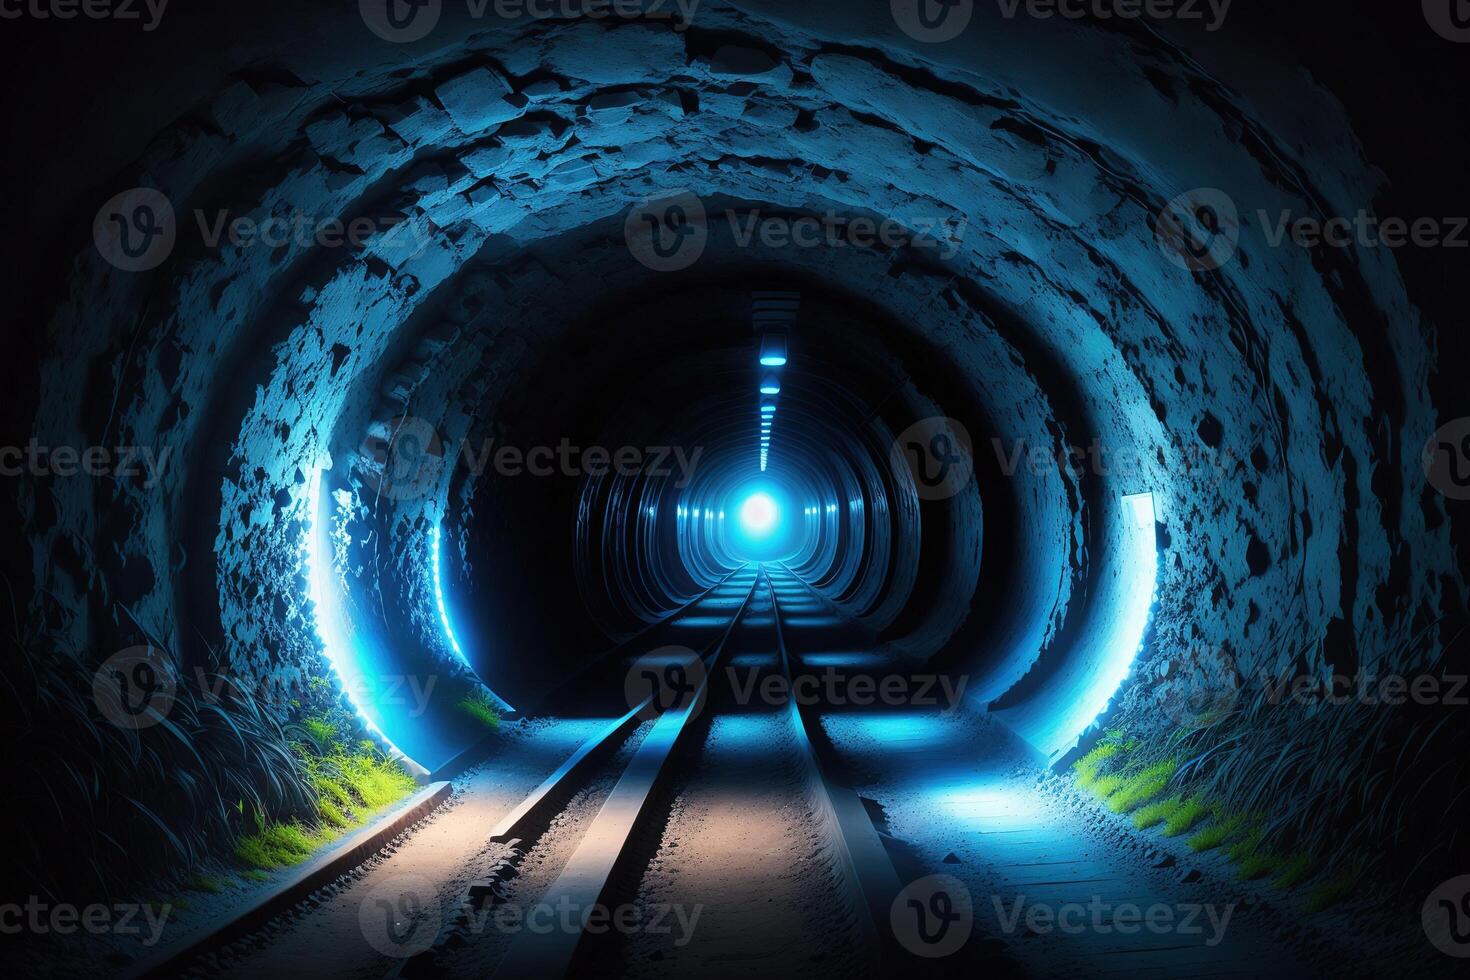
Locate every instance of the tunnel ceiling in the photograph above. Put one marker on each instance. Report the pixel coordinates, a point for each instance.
(1032, 294)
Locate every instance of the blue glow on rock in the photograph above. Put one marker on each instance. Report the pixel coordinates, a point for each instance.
(324, 591)
(1055, 720)
(435, 560)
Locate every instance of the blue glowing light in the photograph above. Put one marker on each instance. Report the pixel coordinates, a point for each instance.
(332, 628)
(888, 729)
(770, 386)
(1137, 606)
(990, 806)
(804, 622)
(1054, 721)
(439, 594)
(851, 661)
(699, 622)
(773, 350)
(758, 514)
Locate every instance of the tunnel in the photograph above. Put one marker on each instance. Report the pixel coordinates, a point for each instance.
(812, 488)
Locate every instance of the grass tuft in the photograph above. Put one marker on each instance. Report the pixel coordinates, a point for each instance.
(1247, 846)
(281, 845)
(1189, 813)
(1142, 786)
(1255, 861)
(1157, 812)
(1217, 832)
(1294, 870)
(1089, 767)
(321, 730)
(205, 883)
(479, 707)
(1331, 891)
(350, 786)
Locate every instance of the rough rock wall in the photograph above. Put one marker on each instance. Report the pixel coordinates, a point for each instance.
(1301, 378)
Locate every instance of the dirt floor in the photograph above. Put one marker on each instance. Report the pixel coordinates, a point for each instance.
(742, 852)
(420, 882)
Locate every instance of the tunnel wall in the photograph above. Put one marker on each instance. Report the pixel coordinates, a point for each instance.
(1302, 377)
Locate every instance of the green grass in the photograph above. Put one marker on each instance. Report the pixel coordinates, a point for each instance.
(1089, 767)
(1247, 846)
(1217, 832)
(254, 874)
(1331, 891)
(1189, 813)
(1127, 787)
(1255, 860)
(1157, 812)
(1178, 814)
(479, 707)
(1294, 870)
(1142, 786)
(1260, 865)
(205, 883)
(350, 786)
(374, 779)
(280, 845)
(323, 731)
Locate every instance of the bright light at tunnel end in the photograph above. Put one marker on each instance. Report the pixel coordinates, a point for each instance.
(759, 514)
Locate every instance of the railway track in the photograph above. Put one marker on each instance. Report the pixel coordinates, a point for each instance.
(719, 821)
(702, 820)
(699, 818)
